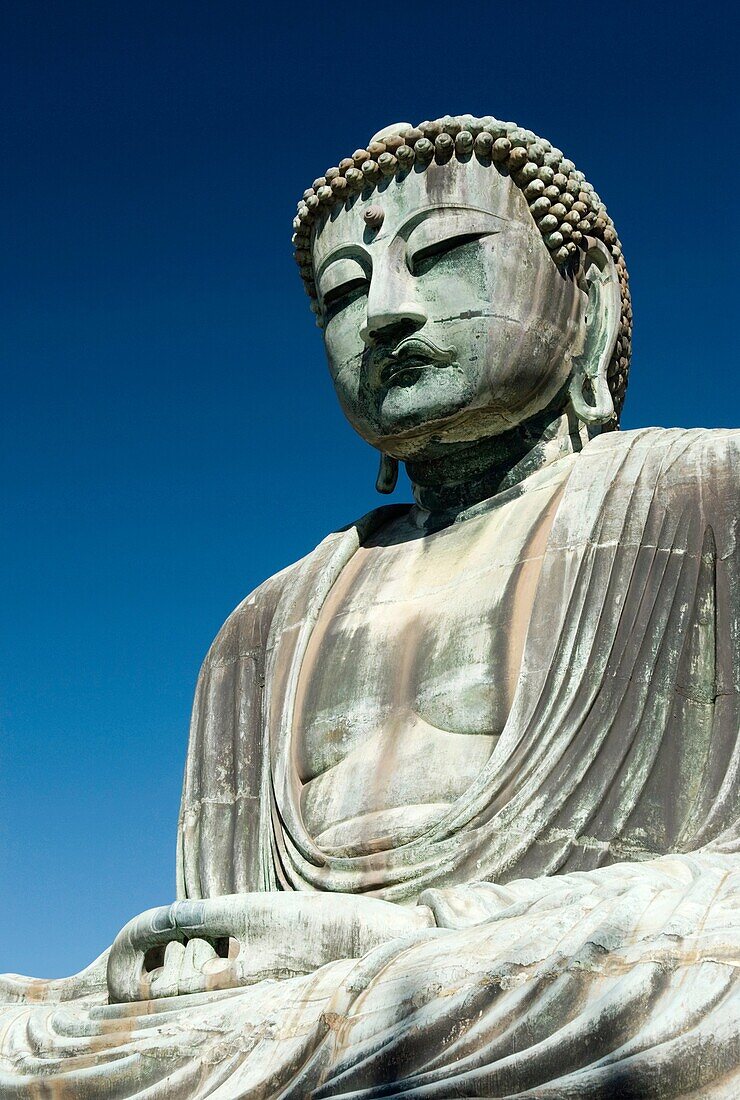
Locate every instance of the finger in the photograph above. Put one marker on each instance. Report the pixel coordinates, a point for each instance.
(166, 981)
(220, 973)
(197, 953)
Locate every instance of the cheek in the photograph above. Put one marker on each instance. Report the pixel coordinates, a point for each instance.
(457, 287)
(342, 341)
(526, 362)
(536, 309)
(522, 349)
(473, 338)
(345, 351)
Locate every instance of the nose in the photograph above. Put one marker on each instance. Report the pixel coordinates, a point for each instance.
(393, 310)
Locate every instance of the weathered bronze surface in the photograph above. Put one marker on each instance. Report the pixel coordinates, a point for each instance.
(462, 795)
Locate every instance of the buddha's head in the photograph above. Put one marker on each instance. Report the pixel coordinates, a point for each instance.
(466, 278)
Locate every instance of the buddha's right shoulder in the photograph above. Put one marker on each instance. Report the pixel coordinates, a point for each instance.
(246, 629)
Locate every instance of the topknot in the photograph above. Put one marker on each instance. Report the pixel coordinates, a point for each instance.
(564, 205)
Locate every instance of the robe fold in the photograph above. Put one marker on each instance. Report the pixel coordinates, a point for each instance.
(586, 886)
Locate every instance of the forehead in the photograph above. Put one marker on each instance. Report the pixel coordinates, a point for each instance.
(438, 185)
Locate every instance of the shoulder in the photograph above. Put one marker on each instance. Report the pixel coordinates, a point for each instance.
(691, 472)
(695, 453)
(245, 631)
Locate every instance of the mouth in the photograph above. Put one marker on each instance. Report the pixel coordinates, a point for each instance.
(412, 355)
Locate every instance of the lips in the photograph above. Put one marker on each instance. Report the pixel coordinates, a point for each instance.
(421, 347)
(412, 354)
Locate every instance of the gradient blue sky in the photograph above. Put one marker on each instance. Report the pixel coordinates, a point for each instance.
(169, 435)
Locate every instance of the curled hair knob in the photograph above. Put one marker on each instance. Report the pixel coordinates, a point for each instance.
(374, 217)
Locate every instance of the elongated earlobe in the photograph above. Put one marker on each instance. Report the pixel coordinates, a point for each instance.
(387, 474)
(599, 280)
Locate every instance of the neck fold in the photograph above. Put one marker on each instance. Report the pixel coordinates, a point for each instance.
(472, 472)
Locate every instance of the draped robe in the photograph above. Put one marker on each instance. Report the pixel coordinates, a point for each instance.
(586, 887)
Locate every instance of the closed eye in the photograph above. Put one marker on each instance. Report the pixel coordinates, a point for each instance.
(438, 248)
(444, 229)
(341, 296)
(341, 281)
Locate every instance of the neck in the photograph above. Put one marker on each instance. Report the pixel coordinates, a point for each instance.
(468, 473)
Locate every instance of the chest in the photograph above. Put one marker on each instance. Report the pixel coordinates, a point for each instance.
(422, 630)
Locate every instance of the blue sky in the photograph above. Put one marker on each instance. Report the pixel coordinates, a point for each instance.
(169, 435)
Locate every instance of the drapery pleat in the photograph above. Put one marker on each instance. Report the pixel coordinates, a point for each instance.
(628, 688)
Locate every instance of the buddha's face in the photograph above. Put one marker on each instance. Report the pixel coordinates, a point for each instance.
(449, 321)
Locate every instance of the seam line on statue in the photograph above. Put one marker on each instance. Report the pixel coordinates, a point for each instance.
(705, 701)
(470, 314)
(248, 654)
(222, 801)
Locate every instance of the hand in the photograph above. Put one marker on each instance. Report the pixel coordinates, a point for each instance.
(239, 939)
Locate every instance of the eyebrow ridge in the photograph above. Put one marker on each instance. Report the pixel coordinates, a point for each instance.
(344, 252)
(351, 251)
(422, 215)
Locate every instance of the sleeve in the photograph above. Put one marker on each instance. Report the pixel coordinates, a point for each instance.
(221, 829)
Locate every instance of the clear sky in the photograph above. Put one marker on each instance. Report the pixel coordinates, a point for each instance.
(169, 436)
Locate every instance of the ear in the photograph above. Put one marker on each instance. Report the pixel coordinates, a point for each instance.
(598, 278)
(387, 474)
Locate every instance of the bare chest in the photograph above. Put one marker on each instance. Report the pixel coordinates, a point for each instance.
(396, 644)
(411, 671)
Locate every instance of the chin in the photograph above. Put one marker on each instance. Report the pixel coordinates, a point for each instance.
(421, 405)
